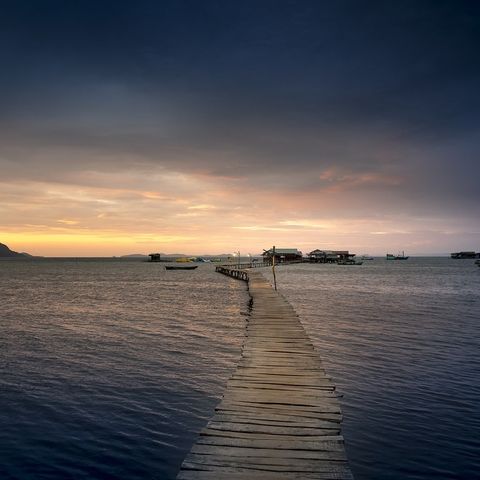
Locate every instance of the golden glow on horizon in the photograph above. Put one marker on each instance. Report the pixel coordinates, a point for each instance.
(205, 214)
(84, 244)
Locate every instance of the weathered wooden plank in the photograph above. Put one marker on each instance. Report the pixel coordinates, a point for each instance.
(264, 385)
(280, 444)
(270, 436)
(284, 365)
(215, 475)
(309, 377)
(261, 416)
(260, 383)
(280, 396)
(266, 462)
(323, 462)
(324, 408)
(279, 371)
(294, 414)
(271, 429)
(285, 368)
(255, 386)
(317, 380)
(277, 389)
(291, 347)
(338, 473)
(303, 400)
(275, 420)
(253, 452)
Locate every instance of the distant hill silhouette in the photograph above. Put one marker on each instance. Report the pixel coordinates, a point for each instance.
(6, 252)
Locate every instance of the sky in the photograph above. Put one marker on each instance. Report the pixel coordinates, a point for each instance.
(208, 127)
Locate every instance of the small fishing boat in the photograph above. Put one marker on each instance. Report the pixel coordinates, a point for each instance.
(349, 261)
(366, 256)
(462, 255)
(183, 267)
(397, 257)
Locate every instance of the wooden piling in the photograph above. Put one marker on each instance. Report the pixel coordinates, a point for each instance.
(279, 417)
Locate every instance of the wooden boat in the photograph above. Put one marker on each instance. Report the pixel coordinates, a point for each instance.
(349, 262)
(463, 255)
(397, 257)
(183, 267)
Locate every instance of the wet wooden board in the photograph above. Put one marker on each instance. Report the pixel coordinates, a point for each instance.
(279, 417)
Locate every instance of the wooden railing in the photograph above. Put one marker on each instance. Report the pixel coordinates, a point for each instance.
(267, 263)
(232, 272)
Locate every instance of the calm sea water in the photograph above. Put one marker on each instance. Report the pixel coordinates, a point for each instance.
(109, 368)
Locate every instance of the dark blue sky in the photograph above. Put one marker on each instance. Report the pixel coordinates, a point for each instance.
(294, 96)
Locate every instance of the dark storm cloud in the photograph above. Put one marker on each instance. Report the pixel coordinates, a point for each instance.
(232, 88)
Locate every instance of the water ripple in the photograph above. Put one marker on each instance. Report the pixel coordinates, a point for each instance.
(110, 368)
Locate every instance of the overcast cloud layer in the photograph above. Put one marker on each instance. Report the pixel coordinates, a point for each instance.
(151, 125)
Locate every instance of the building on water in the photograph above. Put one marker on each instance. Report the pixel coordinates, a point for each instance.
(330, 256)
(283, 255)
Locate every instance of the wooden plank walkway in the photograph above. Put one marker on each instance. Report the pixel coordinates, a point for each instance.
(279, 417)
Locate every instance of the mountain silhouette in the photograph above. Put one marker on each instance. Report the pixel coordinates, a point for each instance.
(6, 252)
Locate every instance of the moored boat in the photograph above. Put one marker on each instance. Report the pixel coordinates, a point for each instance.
(390, 256)
(463, 255)
(349, 261)
(183, 267)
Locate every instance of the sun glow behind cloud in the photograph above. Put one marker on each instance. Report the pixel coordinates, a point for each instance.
(178, 212)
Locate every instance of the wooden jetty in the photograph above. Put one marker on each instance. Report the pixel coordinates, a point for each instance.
(279, 417)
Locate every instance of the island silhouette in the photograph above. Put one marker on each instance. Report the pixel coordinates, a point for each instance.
(6, 252)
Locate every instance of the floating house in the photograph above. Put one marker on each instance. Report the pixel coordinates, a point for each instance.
(330, 256)
(283, 255)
